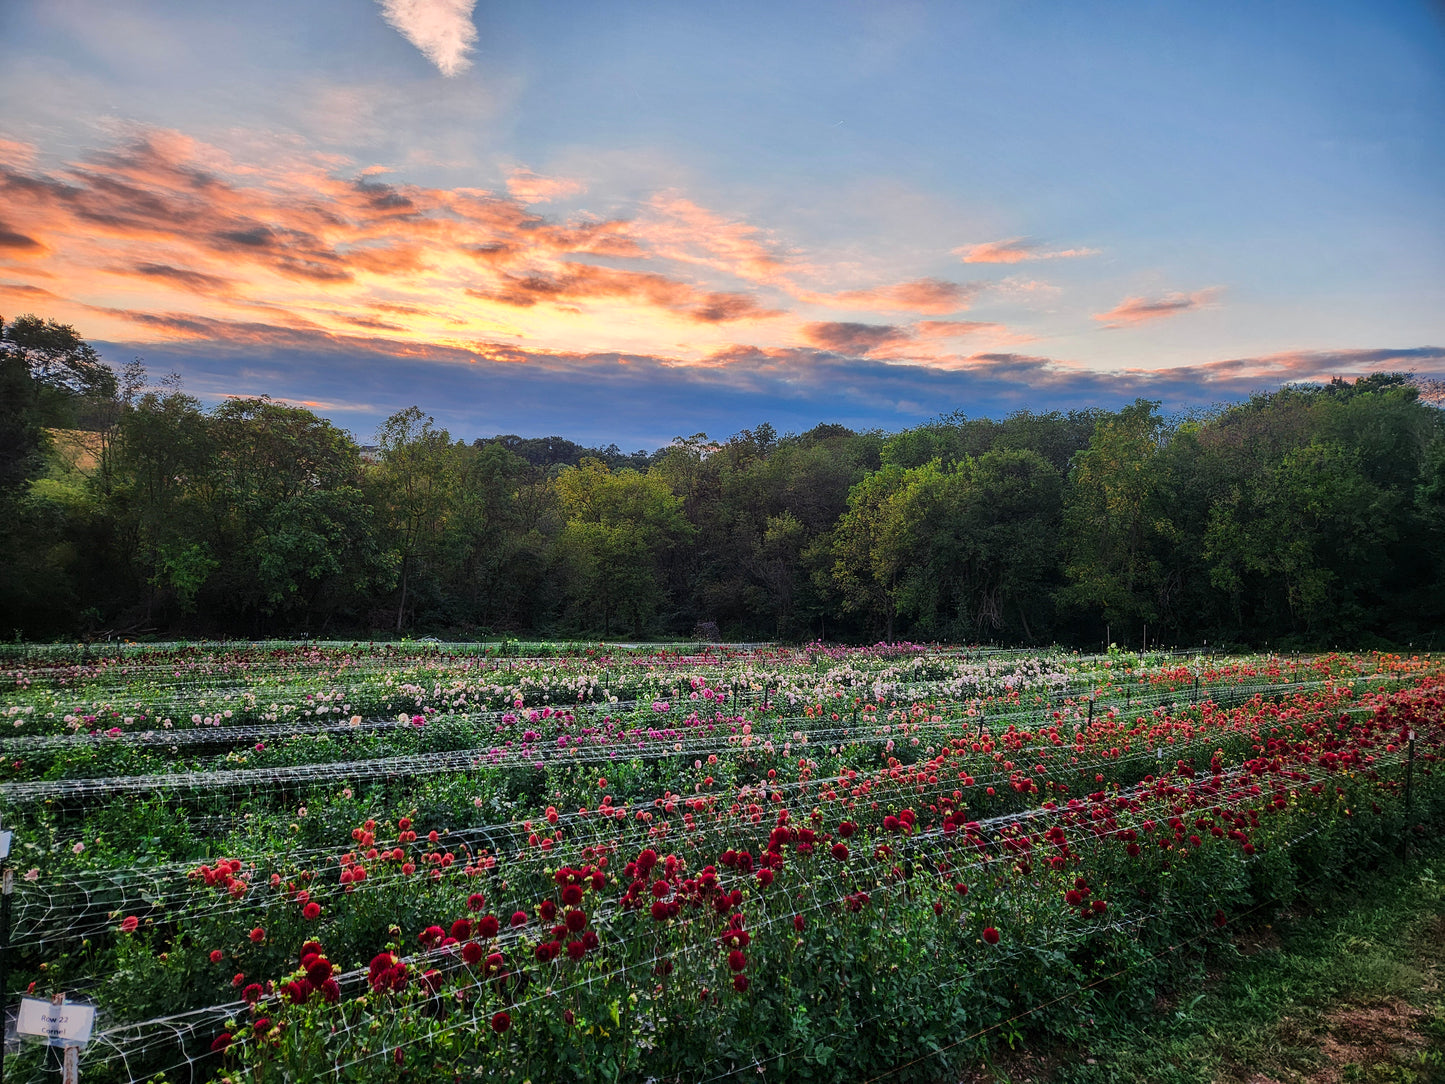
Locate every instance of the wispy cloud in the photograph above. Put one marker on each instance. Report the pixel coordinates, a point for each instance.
(931, 330)
(441, 29)
(1133, 311)
(1016, 250)
(579, 282)
(15, 153)
(530, 187)
(934, 297)
(197, 281)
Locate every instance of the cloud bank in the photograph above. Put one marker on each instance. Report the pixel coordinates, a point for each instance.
(641, 400)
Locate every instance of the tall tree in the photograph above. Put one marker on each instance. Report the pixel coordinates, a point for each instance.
(419, 494)
(1114, 520)
(296, 535)
(619, 528)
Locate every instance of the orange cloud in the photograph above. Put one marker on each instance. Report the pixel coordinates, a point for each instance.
(311, 241)
(1133, 311)
(162, 210)
(1015, 250)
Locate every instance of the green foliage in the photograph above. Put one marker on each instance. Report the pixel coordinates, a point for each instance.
(619, 527)
(1300, 517)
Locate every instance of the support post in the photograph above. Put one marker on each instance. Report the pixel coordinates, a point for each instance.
(70, 1066)
(1410, 775)
(1409, 791)
(7, 886)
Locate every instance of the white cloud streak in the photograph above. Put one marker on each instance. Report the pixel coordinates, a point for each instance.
(441, 29)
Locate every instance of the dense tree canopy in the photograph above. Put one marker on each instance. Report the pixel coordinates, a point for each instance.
(1311, 515)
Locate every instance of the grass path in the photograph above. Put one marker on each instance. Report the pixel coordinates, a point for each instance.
(1346, 989)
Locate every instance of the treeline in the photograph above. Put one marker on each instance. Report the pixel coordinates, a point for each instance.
(1314, 515)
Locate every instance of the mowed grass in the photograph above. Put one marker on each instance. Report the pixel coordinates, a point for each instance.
(1346, 987)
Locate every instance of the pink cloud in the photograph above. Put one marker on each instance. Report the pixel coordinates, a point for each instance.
(855, 340)
(1133, 311)
(681, 230)
(15, 153)
(932, 296)
(581, 282)
(1015, 250)
(953, 329)
(531, 187)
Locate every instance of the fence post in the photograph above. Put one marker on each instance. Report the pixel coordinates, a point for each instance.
(1410, 775)
(1409, 791)
(8, 887)
(1091, 711)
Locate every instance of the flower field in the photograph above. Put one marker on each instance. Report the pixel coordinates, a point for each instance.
(291, 862)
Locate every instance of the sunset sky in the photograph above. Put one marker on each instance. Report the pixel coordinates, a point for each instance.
(628, 222)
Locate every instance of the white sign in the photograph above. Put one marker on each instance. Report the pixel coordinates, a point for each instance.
(69, 1024)
(5, 838)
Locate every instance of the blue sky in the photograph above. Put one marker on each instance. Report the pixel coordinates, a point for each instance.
(629, 222)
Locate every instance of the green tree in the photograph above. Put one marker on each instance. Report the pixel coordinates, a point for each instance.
(418, 494)
(160, 497)
(1114, 520)
(295, 533)
(869, 555)
(979, 545)
(619, 527)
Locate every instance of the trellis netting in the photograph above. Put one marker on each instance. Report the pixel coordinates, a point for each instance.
(772, 847)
